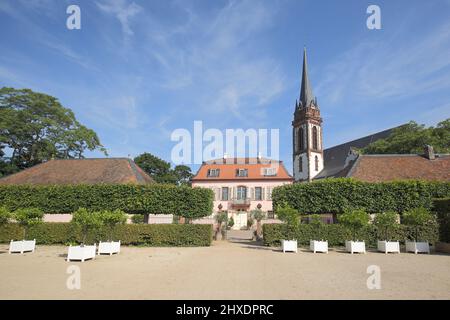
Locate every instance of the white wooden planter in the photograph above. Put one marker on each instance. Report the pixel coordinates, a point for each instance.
(81, 253)
(417, 247)
(110, 247)
(318, 246)
(389, 246)
(22, 246)
(289, 245)
(355, 246)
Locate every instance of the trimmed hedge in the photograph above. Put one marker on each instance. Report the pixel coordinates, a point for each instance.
(152, 199)
(337, 234)
(442, 208)
(155, 235)
(336, 195)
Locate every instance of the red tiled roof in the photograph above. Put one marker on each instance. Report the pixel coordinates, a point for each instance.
(255, 168)
(378, 168)
(81, 171)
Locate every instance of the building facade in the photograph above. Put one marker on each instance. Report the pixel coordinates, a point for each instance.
(241, 185)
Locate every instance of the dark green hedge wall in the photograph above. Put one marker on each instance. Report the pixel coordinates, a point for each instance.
(153, 199)
(334, 195)
(337, 234)
(156, 235)
(442, 208)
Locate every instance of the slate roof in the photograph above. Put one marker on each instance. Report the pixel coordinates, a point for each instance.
(255, 168)
(81, 171)
(334, 157)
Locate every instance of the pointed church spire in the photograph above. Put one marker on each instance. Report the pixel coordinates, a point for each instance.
(306, 95)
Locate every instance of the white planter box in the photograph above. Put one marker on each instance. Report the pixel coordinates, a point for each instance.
(81, 253)
(355, 246)
(289, 245)
(389, 246)
(318, 246)
(109, 247)
(22, 246)
(417, 247)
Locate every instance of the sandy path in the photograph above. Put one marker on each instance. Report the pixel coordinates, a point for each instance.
(224, 271)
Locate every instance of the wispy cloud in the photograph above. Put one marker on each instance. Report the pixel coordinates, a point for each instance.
(123, 10)
(389, 68)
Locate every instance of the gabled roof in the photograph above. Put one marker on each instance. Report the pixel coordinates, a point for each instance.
(379, 168)
(334, 157)
(81, 171)
(255, 169)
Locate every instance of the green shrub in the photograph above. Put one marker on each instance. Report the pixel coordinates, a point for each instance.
(417, 218)
(86, 221)
(151, 199)
(28, 217)
(386, 224)
(355, 220)
(442, 208)
(5, 215)
(291, 220)
(336, 195)
(137, 218)
(337, 234)
(155, 235)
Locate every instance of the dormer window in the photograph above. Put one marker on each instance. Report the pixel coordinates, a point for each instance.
(241, 172)
(270, 172)
(213, 173)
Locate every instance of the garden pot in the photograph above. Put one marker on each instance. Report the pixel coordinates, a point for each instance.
(289, 245)
(109, 247)
(22, 246)
(81, 253)
(318, 246)
(355, 246)
(389, 246)
(417, 247)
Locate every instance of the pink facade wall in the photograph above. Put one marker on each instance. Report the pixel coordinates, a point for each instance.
(57, 217)
(240, 218)
(266, 203)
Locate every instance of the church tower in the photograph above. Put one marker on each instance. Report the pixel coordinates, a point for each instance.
(307, 132)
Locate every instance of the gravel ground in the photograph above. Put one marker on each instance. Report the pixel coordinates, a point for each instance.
(235, 269)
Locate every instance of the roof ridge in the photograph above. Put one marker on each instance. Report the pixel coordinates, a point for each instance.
(366, 136)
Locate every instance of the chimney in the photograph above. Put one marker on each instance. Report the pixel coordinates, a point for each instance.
(429, 152)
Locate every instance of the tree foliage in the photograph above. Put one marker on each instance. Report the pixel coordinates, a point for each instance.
(161, 171)
(411, 139)
(35, 127)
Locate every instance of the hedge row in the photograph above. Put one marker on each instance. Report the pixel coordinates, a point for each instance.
(154, 235)
(153, 199)
(337, 234)
(335, 195)
(442, 208)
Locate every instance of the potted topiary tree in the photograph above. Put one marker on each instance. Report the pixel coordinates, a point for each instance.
(258, 215)
(355, 220)
(315, 220)
(221, 219)
(230, 223)
(386, 223)
(110, 219)
(86, 221)
(290, 217)
(415, 219)
(26, 218)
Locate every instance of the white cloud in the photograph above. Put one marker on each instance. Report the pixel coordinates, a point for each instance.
(392, 68)
(123, 10)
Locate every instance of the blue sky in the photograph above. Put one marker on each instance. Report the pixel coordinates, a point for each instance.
(137, 70)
